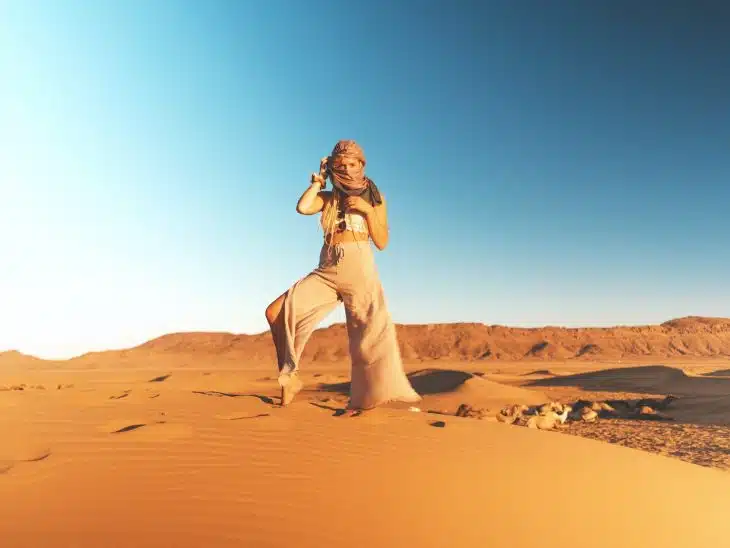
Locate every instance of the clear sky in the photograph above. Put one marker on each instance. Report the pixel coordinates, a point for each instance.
(559, 163)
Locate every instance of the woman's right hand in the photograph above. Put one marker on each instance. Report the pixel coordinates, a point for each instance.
(323, 167)
(321, 178)
(316, 178)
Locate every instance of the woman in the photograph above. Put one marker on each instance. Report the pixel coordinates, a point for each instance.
(353, 213)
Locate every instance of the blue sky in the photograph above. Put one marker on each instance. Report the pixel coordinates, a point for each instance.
(561, 163)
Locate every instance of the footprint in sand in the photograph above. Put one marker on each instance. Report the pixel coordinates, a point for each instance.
(36, 456)
(371, 416)
(120, 396)
(161, 378)
(239, 416)
(119, 426)
(151, 430)
(128, 428)
(23, 456)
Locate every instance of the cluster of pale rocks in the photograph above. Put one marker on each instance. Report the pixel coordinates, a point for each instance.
(555, 415)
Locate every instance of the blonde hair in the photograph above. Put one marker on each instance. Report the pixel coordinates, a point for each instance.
(328, 220)
(331, 208)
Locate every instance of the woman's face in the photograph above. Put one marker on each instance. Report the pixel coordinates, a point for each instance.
(346, 164)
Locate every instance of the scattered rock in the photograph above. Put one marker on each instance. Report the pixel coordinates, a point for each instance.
(511, 413)
(584, 414)
(550, 407)
(647, 413)
(548, 421)
(556, 415)
(655, 403)
(466, 410)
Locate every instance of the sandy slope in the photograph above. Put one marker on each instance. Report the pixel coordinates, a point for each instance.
(207, 458)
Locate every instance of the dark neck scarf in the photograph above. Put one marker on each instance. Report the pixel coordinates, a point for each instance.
(368, 192)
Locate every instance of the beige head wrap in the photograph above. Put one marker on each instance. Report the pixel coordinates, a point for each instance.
(352, 183)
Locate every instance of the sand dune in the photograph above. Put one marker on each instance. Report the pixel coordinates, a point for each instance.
(14, 360)
(652, 379)
(179, 457)
(447, 388)
(539, 373)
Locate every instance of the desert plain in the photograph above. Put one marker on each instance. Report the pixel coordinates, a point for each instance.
(182, 442)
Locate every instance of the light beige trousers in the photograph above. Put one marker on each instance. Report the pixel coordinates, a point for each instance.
(347, 273)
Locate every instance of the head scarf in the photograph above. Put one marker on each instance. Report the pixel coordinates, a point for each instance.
(353, 183)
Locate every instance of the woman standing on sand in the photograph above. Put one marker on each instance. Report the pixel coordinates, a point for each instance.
(353, 213)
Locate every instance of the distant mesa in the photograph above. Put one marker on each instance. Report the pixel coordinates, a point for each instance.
(688, 337)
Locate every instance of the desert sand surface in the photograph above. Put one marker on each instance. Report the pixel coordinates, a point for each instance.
(191, 448)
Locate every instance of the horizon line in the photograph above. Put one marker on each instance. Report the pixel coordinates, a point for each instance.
(339, 323)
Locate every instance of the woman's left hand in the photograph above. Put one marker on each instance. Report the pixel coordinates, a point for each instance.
(358, 204)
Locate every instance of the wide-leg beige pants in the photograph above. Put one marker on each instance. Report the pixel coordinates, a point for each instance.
(347, 273)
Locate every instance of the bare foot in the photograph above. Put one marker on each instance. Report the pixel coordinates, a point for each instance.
(290, 384)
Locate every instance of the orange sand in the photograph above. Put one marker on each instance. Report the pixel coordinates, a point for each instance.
(205, 457)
